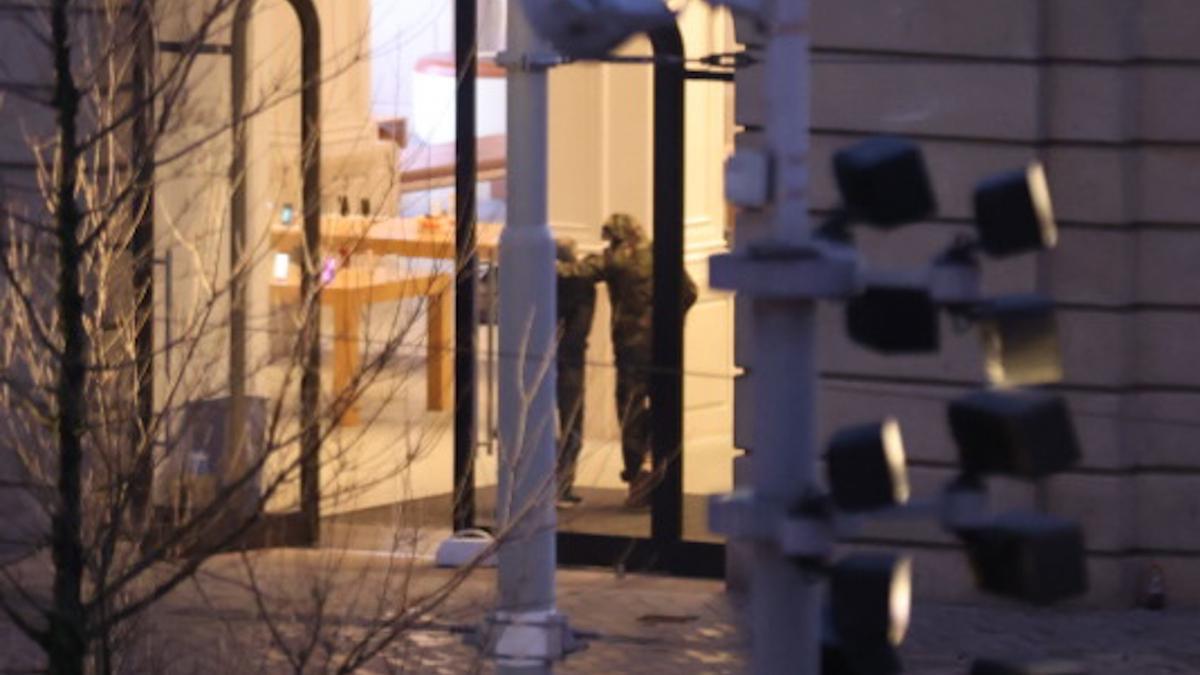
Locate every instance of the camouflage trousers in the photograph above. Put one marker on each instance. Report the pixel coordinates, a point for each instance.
(570, 421)
(633, 410)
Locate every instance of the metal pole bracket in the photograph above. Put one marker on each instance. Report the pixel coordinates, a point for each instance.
(799, 535)
(807, 271)
(529, 62)
(953, 283)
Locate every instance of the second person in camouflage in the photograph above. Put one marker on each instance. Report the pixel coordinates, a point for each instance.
(576, 305)
(626, 267)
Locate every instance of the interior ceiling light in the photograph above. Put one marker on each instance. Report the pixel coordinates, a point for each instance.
(883, 182)
(866, 467)
(1020, 340)
(871, 599)
(1013, 213)
(1028, 556)
(1027, 434)
(894, 319)
(999, 667)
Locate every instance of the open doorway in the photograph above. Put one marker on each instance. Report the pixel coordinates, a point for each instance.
(387, 204)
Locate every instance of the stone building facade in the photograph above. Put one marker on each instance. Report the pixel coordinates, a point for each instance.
(1107, 94)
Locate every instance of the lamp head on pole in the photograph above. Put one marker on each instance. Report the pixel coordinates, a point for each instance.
(1013, 213)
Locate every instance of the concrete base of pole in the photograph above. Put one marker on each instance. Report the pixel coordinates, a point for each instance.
(519, 669)
(527, 642)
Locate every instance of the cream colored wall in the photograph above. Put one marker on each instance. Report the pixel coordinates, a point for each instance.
(195, 205)
(601, 139)
(192, 199)
(191, 214)
(354, 163)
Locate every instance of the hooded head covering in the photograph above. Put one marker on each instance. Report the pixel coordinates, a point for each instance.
(564, 250)
(622, 228)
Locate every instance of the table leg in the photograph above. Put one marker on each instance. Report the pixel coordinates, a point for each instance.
(347, 325)
(439, 383)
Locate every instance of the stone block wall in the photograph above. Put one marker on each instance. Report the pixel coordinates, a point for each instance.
(1107, 94)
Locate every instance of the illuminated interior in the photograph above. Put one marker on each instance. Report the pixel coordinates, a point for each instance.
(388, 172)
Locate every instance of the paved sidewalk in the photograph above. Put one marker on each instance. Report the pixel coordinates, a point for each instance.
(661, 625)
(945, 638)
(638, 624)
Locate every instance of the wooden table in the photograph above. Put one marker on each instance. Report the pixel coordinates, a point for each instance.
(397, 236)
(406, 237)
(353, 289)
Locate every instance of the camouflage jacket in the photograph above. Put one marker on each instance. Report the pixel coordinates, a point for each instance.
(576, 306)
(628, 272)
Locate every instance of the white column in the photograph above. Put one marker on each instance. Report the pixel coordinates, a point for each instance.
(786, 602)
(525, 507)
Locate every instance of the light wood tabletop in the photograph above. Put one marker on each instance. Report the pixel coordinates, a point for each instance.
(353, 289)
(410, 237)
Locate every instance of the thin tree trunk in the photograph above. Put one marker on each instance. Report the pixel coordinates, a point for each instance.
(142, 245)
(67, 641)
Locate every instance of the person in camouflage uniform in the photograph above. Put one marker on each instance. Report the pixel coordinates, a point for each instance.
(576, 306)
(626, 267)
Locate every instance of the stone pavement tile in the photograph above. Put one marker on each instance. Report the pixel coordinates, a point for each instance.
(634, 624)
(945, 638)
(641, 624)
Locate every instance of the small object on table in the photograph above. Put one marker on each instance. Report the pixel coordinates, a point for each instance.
(282, 264)
(433, 222)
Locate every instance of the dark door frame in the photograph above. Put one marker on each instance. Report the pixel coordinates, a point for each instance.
(466, 65)
(310, 144)
(666, 378)
(301, 527)
(665, 550)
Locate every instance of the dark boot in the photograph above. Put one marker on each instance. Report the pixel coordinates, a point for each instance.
(641, 487)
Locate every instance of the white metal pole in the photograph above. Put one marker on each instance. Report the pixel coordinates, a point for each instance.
(786, 97)
(786, 603)
(525, 513)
